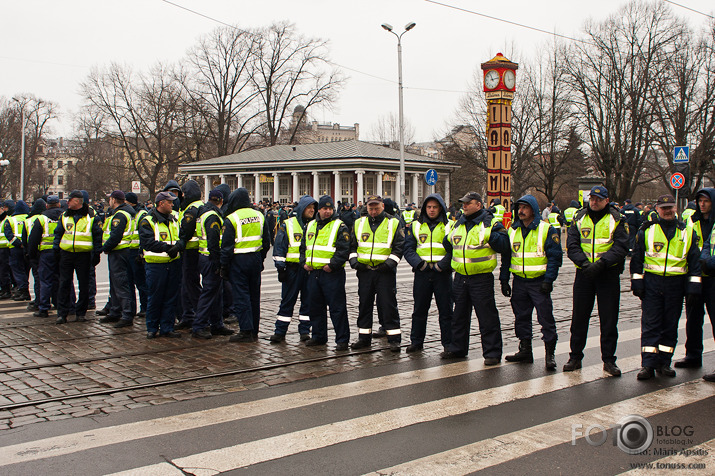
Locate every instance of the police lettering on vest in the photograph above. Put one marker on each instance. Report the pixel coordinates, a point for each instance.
(248, 224)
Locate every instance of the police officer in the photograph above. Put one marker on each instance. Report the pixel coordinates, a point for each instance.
(161, 245)
(12, 230)
(39, 245)
(8, 206)
(78, 239)
(472, 246)
(424, 251)
(324, 249)
(244, 245)
(555, 219)
(570, 212)
(190, 275)
(690, 209)
(664, 268)
(294, 279)
(597, 244)
(497, 210)
(135, 257)
(36, 210)
(536, 257)
(375, 250)
(408, 215)
(702, 222)
(209, 309)
(633, 218)
(707, 263)
(121, 230)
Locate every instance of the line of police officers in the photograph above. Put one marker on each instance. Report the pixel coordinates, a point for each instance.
(183, 247)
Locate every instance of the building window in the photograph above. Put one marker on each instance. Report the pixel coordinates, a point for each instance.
(249, 185)
(324, 185)
(284, 187)
(49, 163)
(59, 164)
(39, 163)
(61, 195)
(346, 188)
(267, 191)
(304, 185)
(69, 163)
(60, 180)
(368, 186)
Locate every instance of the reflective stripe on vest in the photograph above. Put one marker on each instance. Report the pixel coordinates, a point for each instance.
(408, 216)
(471, 253)
(528, 258)
(697, 228)
(17, 222)
(168, 234)
(78, 236)
(203, 236)
(3, 240)
(134, 237)
(48, 232)
(554, 220)
(596, 240)
(295, 236)
(193, 243)
(569, 214)
(498, 213)
(687, 214)
(29, 223)
(248, 224)
(667, 258)
(375, 248)
(429, 242)
(320, 244)
(126, 240)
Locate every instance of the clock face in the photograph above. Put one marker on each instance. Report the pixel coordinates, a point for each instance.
(491, 79)
(509, 79)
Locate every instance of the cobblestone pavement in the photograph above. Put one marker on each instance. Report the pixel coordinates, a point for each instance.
(50, 372)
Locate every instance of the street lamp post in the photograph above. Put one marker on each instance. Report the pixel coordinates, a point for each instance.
(22, 150)
(3, 165)
(401, 192)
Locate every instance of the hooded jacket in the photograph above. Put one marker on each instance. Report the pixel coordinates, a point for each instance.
(347, 215)
(281, 243)
(191, 193)
(118, 225)
(21, 208)
(706, 223)
(147, 240)
(37, 208)
(411, 240)
(226, 192)
(174, 185)
(552, 246)
(213, 232)
(35, 238)
(238, 199)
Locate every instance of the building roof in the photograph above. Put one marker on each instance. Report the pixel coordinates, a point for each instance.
(332, 151)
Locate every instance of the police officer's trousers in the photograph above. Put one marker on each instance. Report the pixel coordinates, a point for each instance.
(695, 312)
(662, 305)
(139, 275)
(384, 285)
(163, 295)
(475, 292)
(49, 270)
(70, 264)
(606, 287)
(427, 284)
(209, 309)
(124, 300)
(5, 274)
(295, 282)
(525, 296)
(34, 269)
(18, 267)
(328, 289)
(246, 279)
(190, 284)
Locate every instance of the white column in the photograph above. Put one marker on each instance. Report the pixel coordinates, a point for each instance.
(336, 196)
(256, 188)
(447, 199)
(415, 184)
(379, 182)
(295, 186)
(316, 192)
(276, 187)
(360, 190)
(239, 180)
(207, 187)
(223, 178)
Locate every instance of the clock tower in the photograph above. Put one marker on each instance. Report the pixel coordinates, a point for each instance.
(499, 86)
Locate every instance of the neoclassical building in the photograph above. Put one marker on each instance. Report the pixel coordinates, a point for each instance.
(349, 171)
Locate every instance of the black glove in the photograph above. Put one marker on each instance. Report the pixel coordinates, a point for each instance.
(704, 266)
(422, 266)
(139, 259)
(505, 288)
(173, 251)
(281, 275)
(96, 259)
(639, 292)
(595, 269)
(383, 268)
(546, 288)
(360, 266)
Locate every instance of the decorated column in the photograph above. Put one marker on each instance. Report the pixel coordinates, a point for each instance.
(499, 86)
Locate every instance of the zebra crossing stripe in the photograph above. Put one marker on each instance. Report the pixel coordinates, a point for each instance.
(85, 440)
(500, 449)
(258, 451)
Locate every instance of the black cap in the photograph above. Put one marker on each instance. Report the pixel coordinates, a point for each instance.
(118, 194)
(599, 191)
(326, 201)
(132, 198)
(164, 196)
(76, 194)
(374, 199)
(215, 194)
(469, 196)
(53, 199)
(666, 200)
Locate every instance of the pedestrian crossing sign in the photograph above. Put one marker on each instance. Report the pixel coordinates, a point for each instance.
(681, 154)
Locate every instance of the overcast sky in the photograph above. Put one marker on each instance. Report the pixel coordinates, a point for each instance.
(48, 47)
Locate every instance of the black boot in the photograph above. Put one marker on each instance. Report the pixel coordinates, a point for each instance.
(551, 355)
(524, 355)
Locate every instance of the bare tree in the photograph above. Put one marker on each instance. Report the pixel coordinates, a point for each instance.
(220, 88)
(287, 70)
(387, 131)
(615, 75)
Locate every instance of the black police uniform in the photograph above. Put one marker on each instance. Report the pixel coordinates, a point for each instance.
(123, 301)
(190, 275)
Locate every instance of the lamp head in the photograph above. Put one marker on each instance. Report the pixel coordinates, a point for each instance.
(387, 26)
(410, 26)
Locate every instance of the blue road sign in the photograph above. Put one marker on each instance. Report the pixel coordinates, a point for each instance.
(681, 154)
(431, 177)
